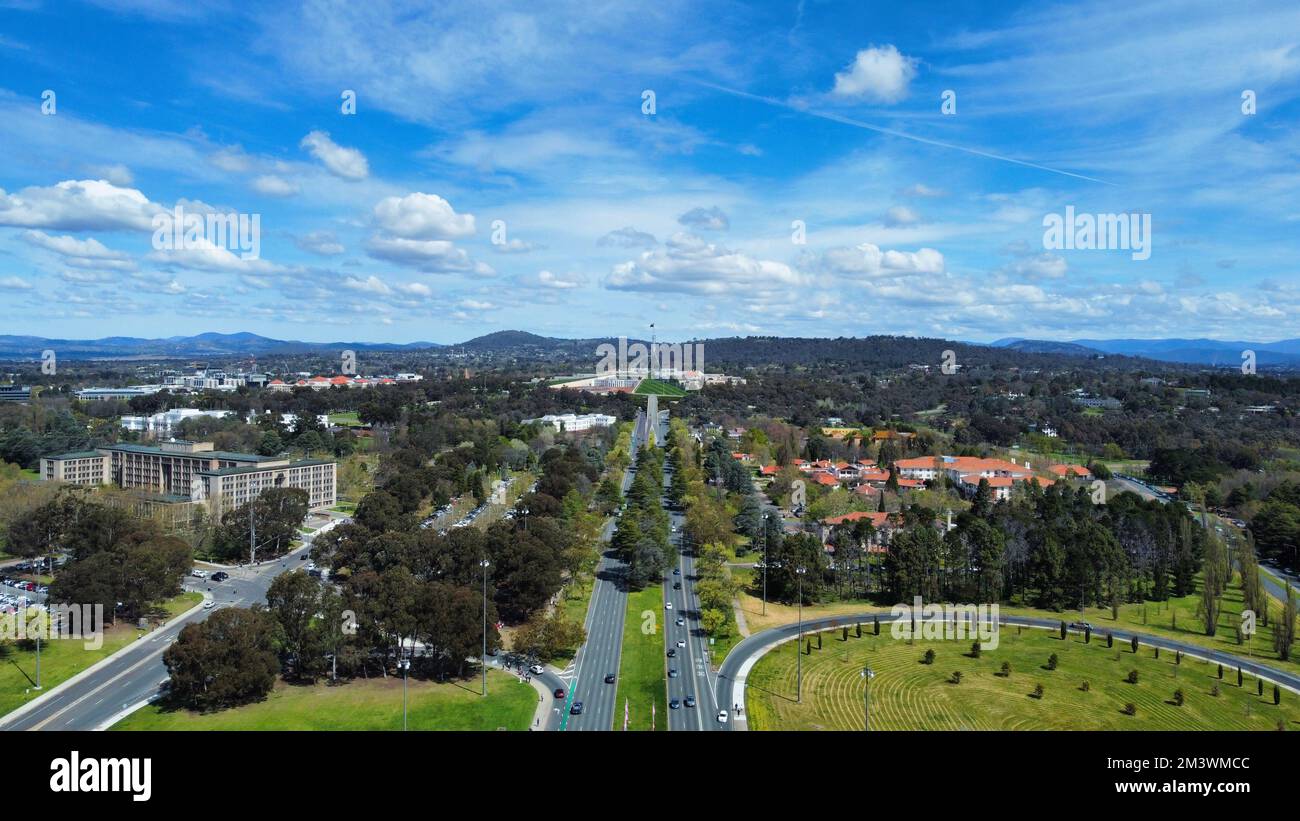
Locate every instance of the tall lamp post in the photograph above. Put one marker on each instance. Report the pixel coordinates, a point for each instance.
(867, 675)
(767, 519)
(405, 664)
(798, 572)
(483, 658)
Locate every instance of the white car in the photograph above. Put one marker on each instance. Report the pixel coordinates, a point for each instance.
(681, 643)
(537, 669)
(208, 605)
(199, 574)
(722, 716)
(668, 605)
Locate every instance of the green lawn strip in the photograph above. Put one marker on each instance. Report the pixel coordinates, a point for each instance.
(65, 658)
(361, 704)
(347, 419)
(642, 675)
(658, 387)
(907, 694)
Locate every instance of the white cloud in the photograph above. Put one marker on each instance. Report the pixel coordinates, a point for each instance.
(901, 216)
(78, 205)
(868, 260)
(711, 219)
(878, 74)
(81, 253)
(434, 256)
(628, 237)
(1039, 266)
(320, 242)
(274, 186)
(15, 283)
(422, 216)
(348, 163)
(116, 173)
(560, 281)
(691, 265)
(370, 285)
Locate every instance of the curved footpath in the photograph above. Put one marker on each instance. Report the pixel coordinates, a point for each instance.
(742, 658)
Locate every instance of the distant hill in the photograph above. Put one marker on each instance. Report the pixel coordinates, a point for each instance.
(1211, 352)
(1047, 346)
(206, 344)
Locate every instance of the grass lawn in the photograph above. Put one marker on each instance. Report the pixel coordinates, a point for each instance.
(659, 387)
(63, 659)
(362, 704)
(909, 695)
(1175, 619)
(642, 674)
(29, 475)
(347, 419)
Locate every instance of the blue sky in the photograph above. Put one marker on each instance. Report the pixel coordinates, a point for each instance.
(379, 225)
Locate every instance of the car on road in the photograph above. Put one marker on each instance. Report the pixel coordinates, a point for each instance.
(677, 571)
(681, 621)
(609, 678)
(559, 692)
(672, 653)
(681, 643)
(722, 716)
(677, 585)
(220, 576)
(576, 709)
(208, 605)
(199, 574)
(672, 672)
(1080, 625)
(690, 701)
(537, 669)
(668, 605)
(674, 704)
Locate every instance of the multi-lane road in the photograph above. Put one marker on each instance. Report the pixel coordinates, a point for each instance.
(136, 673)
(599, 657)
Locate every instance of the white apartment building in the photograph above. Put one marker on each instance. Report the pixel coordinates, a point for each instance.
(572, 423)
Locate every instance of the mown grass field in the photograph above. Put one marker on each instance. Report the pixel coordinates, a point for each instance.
(642, 673)
(63, 659)
(909, 695)
(1176, 619)
(364, 704)
(658, 387)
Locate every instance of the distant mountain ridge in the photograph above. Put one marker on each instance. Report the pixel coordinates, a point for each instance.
(1212, 352)
(733, 350)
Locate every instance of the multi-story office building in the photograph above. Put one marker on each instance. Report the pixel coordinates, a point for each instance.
(194, 472)
(15, 393)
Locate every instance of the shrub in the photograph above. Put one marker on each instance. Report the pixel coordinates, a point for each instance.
(1132, 676)
(1130, 709)
(1052, 661)
(1214, 690)
(956, 677)
(928, 658)
(1038, 691)
(1179, 698)
(1086, 686)
(975, 650)
(1006, 669)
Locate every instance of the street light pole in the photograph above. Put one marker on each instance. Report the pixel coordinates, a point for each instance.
(767, 519)
(483, 659)
(867, 674)
(405, 664)
(798, 572)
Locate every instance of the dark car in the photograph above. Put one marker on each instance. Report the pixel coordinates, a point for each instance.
(677, 571)
(576, 709)
(672, 653)
(559, 692)
(674, 704)
(672, 672)
(677, 585)
(690, 701)
(609, 678)
(220, 576)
